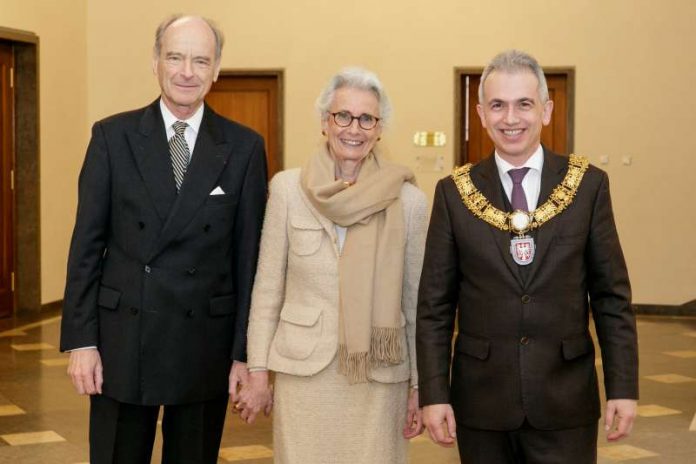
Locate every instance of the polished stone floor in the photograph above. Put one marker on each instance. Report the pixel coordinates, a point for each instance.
(43, 421)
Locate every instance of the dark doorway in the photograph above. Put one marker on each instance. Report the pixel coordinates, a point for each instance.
(20, 229)
(255, 99)
(7, 169)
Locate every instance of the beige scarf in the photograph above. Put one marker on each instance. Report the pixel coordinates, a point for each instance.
(370, 270)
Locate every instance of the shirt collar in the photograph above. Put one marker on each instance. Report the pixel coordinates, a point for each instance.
(536, 162)
(194, 121)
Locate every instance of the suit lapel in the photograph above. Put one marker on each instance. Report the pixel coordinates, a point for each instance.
(488, 182)
(151, 152)
(209, 158)
(552, 174)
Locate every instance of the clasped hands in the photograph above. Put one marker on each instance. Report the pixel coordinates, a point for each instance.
(250, 393)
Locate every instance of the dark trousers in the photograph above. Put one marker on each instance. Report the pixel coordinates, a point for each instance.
(121, 433)
(528, 445)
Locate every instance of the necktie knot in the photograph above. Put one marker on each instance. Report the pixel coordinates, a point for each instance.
(179, 127)
(517, 175)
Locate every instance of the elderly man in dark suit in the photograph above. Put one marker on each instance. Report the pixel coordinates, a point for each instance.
(518, 242)
(162, 261)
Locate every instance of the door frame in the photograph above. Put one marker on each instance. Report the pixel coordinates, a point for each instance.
(279, 74)
(459, 129)
(27, 141)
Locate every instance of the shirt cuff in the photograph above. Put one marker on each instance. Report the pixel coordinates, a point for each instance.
(82, 348)
(256, 369)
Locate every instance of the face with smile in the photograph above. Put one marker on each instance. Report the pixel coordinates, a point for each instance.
(513, 114)
(352, 143)
(186, 66)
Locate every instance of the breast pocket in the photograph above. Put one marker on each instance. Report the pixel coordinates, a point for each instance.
(298, 332)
(224, 199)
(306, 235)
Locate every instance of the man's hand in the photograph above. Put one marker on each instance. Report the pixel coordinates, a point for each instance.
(238, 377)
(86, 372)
(414, 418)
(619, 416)
(255, 396)
(439, 420)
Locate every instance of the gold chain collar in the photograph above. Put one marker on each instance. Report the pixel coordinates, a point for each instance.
(561, 197)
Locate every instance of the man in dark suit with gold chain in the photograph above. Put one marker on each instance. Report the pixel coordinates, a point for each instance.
(162, 261)
(523, 247)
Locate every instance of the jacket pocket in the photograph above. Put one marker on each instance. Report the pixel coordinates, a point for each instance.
(473, 346)
(576, 347)
(222, 305)
(108, 298)
(298, 332)
(305, 236)
(226, 199)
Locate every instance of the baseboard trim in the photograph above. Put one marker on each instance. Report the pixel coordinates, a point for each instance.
(52, 306)
(686, 309)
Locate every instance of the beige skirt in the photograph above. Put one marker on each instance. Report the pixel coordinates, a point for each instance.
(322, 419)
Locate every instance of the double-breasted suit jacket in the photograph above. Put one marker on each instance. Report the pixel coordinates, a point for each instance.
(524, 348)
(161, 282)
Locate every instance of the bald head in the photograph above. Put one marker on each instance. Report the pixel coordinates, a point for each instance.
(177, 20)
(186, 63)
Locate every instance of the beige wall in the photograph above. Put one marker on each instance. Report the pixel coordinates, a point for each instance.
(634, 96)
(60, 26)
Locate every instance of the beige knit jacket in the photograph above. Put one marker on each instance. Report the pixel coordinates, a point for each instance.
(293, 325)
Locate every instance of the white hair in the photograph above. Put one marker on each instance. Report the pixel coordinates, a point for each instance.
(356, 78)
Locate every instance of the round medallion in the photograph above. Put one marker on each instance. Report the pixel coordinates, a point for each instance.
(520, 221)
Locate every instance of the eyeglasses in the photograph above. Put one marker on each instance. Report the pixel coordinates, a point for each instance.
(345, 119)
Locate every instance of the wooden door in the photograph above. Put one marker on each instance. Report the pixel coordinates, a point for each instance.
(6, 182)
(475, 144)
(255, 100)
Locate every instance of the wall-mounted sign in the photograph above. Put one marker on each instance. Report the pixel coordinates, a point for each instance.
(429, 139)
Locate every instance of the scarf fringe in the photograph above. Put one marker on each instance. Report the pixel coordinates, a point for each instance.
(353, 365)
(386, 348)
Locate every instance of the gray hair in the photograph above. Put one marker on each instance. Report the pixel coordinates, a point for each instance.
(356, 78)
(512, 61)
(161, 29)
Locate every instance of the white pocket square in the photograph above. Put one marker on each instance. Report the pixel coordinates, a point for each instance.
(217, 191)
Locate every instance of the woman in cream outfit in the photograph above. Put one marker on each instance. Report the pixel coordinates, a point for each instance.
(334, 302)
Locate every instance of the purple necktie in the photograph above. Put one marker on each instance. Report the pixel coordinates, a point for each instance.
(518, 199)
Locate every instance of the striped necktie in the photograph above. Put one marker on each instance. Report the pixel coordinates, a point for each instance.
(179, 152)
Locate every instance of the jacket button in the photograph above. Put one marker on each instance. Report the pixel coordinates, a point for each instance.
(206, 228)
(134, 311)
(526, 299)
(191, 271)
(147, 269)
(141, 224)
(524, 341)
(190, 313)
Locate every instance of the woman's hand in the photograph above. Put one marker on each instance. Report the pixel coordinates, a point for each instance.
(414, 420)
(256, 396)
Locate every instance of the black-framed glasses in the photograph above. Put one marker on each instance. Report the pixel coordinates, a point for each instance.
(345, 119)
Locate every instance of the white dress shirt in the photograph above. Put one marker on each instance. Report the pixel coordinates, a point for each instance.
(532, 180)
(191, 132)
